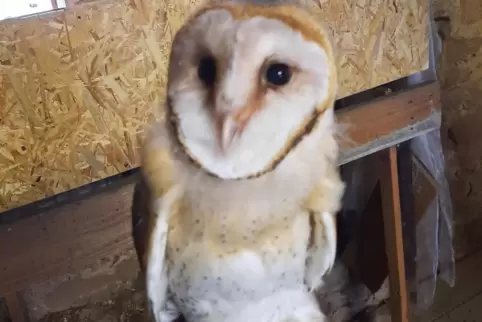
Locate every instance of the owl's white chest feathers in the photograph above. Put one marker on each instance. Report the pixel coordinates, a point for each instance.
(220, 265)
(219, 271)
(234, 245)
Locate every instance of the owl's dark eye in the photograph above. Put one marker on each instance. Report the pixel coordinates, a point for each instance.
(278, 74)
(207, 71)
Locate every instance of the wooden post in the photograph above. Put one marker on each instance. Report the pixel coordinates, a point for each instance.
(407, 207)
(392, 221)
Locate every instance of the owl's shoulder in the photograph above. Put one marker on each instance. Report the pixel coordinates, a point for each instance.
(157, 163)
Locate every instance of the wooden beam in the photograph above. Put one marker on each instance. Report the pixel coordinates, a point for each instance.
(64, 240)
(54, 240)
(405, 180)
(392, 219)
(384, 122)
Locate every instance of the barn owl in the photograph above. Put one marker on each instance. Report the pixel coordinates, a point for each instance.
(234, 218)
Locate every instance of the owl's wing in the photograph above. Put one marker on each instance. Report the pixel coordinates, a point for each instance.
(154, 197)
(323, 205)
(140, 214)
(157, 283)
(322, 251)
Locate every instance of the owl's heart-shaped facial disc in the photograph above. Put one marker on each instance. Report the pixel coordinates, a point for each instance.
(246, 84)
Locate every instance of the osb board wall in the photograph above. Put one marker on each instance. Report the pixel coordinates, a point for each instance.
(460, 70)
(77, 87)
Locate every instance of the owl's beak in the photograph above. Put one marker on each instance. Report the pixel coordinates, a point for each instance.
(231, 125)
(228, 129)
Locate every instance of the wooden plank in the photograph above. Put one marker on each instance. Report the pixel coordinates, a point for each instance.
(468, 311)
(443, 319)
(65, 239)
(468, 286)
(407, 207)
(55, 240)
(384, 122)
(392, 219)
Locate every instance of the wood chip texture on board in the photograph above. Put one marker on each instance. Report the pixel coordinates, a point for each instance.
(77, 87)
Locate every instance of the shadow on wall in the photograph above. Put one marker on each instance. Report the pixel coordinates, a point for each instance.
(4, 316)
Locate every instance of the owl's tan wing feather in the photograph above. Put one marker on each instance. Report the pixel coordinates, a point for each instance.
(155, 180)
(323, 205)
(155, 197)
(140, 214)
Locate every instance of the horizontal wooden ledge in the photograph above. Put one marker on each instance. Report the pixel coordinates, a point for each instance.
(384, 122)
(67, 238)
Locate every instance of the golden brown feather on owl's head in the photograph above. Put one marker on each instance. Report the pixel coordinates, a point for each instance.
(246, 83)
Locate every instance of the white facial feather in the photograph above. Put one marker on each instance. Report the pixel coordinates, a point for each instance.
(279, 191)
(244, 45)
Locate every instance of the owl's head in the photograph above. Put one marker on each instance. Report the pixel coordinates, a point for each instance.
(246, 84)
